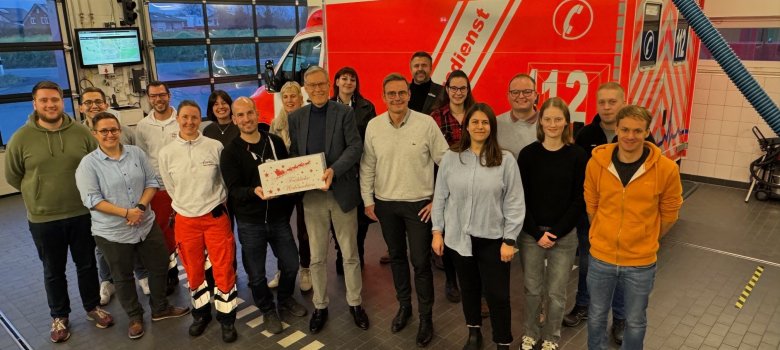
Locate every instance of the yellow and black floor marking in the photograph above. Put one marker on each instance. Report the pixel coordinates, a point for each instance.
(749, 287)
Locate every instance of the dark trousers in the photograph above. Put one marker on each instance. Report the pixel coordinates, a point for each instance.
(52, 240)
(485, 272)
(303, 236)
(121, 258)
(449, 267)
(400, 223)
(255, 239)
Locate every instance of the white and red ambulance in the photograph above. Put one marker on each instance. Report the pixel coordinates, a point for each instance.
(569, 46)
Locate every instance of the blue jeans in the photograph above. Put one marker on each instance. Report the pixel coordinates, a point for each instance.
(603, 280)
(254, 240)
(545, 282)
(583, 298)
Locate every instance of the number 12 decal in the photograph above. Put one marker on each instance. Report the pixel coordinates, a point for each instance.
(576, 79)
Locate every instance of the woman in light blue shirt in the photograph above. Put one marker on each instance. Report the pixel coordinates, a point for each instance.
(116, 182)
(479, 202)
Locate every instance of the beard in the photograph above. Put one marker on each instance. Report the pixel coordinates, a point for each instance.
(46, 119)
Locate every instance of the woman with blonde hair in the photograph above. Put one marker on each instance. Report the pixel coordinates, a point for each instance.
(553, 172)
(292, 99)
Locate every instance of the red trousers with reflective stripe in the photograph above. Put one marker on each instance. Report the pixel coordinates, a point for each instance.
(193, 236)
(161, 205)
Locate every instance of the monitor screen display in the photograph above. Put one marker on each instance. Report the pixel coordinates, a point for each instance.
(117, 46)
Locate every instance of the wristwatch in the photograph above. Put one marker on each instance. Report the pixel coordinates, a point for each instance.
(509, 242)
(141, 206)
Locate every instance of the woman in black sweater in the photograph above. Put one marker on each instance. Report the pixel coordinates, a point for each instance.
(553, 171)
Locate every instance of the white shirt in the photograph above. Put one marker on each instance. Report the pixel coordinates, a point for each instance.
(190, 170)
(152, 135)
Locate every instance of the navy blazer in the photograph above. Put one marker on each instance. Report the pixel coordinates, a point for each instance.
(343, 149)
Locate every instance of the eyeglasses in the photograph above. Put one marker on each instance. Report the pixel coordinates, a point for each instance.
(317, 86)
(105, 132)
(156, 96)
(526, 92)
(456, 89)
(89, 103)
(396, 94)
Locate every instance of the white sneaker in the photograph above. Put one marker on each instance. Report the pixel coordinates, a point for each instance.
(305, 279)
(528, 343)
(144, 283)
(106, 291)
(275, 281)
(548, 345)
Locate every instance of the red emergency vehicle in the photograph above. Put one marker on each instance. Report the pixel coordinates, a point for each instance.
(569, 46)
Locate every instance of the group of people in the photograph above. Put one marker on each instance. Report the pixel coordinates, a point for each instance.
(441, 173)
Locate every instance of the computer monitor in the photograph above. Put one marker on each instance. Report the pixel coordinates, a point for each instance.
(117, 46)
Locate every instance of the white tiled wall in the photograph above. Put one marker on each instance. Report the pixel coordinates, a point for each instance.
(720, 142)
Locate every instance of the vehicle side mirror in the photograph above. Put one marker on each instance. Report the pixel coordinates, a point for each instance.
(268, 75)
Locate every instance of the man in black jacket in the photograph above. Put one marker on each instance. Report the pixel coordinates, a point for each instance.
(262, 220)
(423, 90)
(610, 98)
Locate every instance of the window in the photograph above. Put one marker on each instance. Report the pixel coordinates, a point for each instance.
(219, 44)
(305, 54)
(750, 44)
(29, 52)
(650, 35)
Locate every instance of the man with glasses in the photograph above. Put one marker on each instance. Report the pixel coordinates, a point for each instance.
(396, 182)
(329, 127)
(41, 161)
(93, 101)
(153, 132)
(423, 90)
(517, 127)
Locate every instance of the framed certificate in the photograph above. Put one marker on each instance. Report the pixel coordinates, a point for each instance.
(292, 175)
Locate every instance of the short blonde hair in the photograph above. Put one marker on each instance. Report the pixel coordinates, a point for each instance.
(636, 112)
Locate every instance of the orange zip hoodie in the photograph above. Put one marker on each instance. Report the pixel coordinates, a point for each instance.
(626, 221)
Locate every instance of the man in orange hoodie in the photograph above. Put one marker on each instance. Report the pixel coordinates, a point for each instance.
(633, 196)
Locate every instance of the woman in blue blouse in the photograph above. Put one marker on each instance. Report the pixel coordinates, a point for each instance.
(116, 182)
(479, 202)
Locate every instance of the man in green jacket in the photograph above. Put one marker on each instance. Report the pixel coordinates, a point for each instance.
(41, 161)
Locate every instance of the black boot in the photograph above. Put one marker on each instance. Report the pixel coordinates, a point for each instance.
(475, 339)
(502, 346)
(425, 332)
(199, 324)
(578, 314)
(173, 281)
(229, 333)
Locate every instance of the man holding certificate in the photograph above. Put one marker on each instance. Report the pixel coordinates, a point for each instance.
(262, 219)
(329, 128)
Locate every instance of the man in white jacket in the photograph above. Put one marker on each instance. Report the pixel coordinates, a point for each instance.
(189, 167)
(152, 133)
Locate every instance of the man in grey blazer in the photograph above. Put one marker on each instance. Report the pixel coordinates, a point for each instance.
(329, 127)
